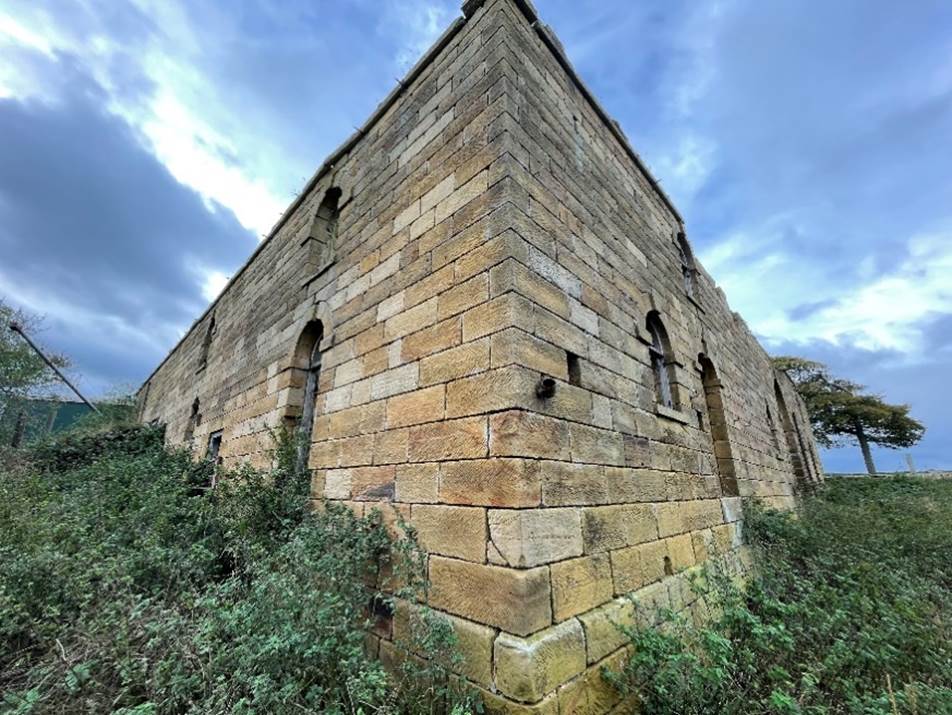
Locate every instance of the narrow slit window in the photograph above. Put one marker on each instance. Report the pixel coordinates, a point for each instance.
(574, 368)
(688, 269)
(210, 332)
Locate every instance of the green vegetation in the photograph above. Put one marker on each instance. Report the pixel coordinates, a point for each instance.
(848, 610)
(840, 410)
(126, 586)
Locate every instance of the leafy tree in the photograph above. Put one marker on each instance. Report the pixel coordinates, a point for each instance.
(840, 410)
(23, 374)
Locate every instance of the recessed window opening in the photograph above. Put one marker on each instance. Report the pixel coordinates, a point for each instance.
(194, 419)
(308, 356)
(322, 243)
(214, 447)
(210, 332)
(574, 368)
(688, 268)
(668, 568)
(661, 360)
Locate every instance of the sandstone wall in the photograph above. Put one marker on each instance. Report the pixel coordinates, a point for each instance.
(495, 229)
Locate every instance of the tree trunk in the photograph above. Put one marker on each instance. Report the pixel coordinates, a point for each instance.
(864, 445)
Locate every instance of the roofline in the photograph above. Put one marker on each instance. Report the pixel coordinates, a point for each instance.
(325, 168)
(469, 7)
(550, 40)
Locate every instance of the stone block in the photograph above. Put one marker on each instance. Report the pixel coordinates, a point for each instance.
(529, 537)
(418, 483)
(603, 627)
(491, 391)
(527, 669)
(580, 584)
(591, 694)
(433, 339)
(614, 527)
(373, 483)
(506, 311)
(390, 447)
(464, 296)
(681, 552)
(417, 407)
(596, 446)
(452, 439)
(510, 483)
(410, 321)
(525, 434)
(457, 531)
(457, 362)
(516, 347)
(517, 601)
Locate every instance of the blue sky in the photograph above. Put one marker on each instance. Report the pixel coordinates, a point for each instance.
(146, 145)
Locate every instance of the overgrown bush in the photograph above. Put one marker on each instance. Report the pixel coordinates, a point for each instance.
(849, 610)
(127, 586)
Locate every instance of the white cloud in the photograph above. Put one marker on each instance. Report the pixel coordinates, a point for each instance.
(888, 312)
(181, 121)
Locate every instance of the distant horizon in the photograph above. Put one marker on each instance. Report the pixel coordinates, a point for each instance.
(151, 144)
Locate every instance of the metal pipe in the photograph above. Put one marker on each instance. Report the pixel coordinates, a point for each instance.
(17, 328)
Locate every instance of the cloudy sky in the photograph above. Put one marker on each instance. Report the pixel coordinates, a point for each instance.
(146, 145)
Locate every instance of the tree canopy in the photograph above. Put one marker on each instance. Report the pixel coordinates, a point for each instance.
(841, 411)
(23, 374)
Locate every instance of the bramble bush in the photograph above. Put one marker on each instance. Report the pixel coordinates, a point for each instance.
(127, 586)
(848, 610)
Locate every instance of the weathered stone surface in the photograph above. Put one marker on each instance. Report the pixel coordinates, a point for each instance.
(416, 407)
(456, 531)
(580, 584)
(524, 434)
(517, 601)
(529, 668)
(454, 439)
(418, 483)
(531, 537)
(603, 627)
(617, 526)
(492, 482)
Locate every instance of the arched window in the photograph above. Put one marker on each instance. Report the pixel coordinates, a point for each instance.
(308, 357)
(688, 269)
(790, 435)
(717, 416)
(321, 242)
(662, 360)
(207, 342)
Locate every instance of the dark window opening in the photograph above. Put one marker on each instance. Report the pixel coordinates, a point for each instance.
(214, 447)
(688, 269)
(668, 568)
(194, 419)
(308, 356)
(662, 363)
(210, 332)
(575, 369)
(322, 238)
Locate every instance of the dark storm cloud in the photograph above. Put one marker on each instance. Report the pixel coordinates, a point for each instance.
(90, 221)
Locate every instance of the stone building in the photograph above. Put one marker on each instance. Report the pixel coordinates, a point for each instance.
(487, 314)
